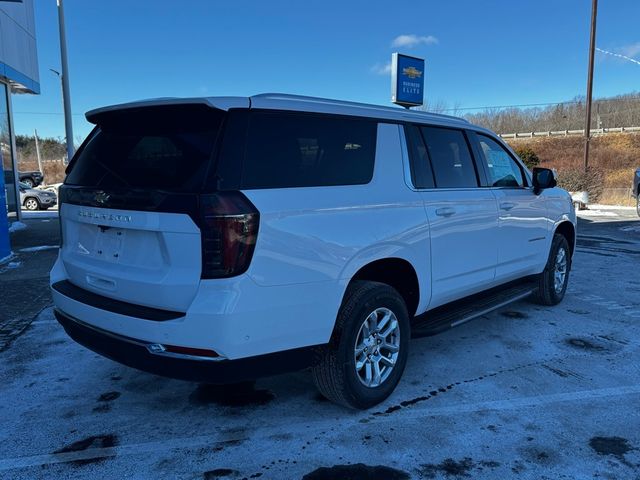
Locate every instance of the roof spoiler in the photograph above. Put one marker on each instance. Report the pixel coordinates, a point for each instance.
(220, 103)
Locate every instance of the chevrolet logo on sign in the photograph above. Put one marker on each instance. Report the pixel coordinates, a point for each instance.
(412, 72)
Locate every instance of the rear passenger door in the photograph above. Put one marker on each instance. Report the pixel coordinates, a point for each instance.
(462, 216)
(522, 215)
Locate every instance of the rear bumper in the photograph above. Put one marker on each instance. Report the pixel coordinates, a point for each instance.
(135, 353)
(234, 317)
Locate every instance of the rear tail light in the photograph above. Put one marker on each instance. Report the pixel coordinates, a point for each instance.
(229, 229)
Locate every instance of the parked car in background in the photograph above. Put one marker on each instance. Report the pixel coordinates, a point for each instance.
(32, 179)
(52, 187)
(36, 199)
(636, 190)
(224, 239)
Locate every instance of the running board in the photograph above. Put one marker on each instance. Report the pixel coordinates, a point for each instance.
(456, 313)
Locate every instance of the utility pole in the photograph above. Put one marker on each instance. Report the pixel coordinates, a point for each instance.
(592, 47)
(64, 77)
(38, 152)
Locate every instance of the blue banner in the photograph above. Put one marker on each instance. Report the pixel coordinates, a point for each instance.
(407, 80)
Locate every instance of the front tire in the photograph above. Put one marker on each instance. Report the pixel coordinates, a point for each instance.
(553, 281)
(368, 351)
(28, 181)
(32, 204)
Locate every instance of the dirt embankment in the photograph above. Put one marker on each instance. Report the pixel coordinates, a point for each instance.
(613, 159)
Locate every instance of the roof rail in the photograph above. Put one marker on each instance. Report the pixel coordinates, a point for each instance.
(343, 103)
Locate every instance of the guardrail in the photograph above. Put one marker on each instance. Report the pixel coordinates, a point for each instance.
(566, 133)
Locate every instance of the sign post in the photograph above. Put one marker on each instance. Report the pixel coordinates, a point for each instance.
(407, 80)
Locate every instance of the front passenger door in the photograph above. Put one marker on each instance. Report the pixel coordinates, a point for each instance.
(522, 215)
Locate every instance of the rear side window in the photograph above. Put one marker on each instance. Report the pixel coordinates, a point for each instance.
(503, 170)
(302, 150)
(159, 148)
(450, 158)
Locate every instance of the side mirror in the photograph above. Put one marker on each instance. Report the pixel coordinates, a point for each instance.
(543, 178)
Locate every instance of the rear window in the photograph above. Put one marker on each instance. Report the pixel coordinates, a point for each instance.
(303, 150)
(160, 148)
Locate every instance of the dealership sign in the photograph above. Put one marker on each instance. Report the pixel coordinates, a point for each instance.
(407, 80)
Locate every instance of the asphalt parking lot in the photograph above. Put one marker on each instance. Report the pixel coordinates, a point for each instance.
(524, 392)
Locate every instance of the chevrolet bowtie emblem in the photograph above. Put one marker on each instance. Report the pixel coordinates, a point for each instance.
(102, 197)
(412, 72)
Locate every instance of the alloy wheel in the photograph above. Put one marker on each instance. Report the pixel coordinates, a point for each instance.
(377, 346)
(560, 270)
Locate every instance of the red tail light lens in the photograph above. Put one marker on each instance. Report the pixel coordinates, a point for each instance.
(229, 229)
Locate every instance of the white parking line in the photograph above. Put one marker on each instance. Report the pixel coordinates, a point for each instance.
(209, 440)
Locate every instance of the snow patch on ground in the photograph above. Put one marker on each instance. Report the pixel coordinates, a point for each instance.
(38, 248)
(596, 213)
(10, 265)
(50, 213)
(598, 206)
(15, 226)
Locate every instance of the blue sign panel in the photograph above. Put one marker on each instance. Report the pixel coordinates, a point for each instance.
(407, 80)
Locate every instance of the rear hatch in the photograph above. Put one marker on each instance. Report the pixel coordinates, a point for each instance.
(130, 203)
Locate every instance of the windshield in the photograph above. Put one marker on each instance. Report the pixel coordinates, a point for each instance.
(159, 148)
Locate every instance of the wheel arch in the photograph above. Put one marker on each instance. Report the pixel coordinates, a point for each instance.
(568, 231)
(396, 272)
(30, 197)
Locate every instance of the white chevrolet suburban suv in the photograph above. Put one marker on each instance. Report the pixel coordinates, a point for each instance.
(224, 239)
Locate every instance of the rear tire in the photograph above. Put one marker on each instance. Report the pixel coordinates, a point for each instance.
(368, 351)
(553, 281)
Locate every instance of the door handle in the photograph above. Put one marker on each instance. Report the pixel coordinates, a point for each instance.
(507, 205)
(445, 211)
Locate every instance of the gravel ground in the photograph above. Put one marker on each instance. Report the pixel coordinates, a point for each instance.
(524, 392)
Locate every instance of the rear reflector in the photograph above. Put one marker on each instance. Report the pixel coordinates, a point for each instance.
(229, 229)
(160, 349)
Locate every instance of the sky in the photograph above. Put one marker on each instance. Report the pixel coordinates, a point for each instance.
(494, 52)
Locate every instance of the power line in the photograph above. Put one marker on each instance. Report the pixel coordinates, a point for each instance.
(486, 107)
(47, 113)
(624, 57)
(453, 109)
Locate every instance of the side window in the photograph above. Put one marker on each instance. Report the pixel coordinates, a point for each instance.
(503, 169)
(421, 173)
(450, 158)
(302, 150)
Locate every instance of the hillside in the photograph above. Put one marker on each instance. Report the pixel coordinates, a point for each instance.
(613, 159)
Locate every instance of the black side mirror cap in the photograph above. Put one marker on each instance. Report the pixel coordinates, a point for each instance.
(543, 178)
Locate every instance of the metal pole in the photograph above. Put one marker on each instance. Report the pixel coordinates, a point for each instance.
(14, 156)
(592, 47)
(68, 125)
(38, 151)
